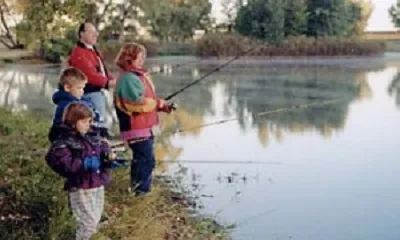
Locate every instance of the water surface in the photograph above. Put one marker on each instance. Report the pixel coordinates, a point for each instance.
(328, 172)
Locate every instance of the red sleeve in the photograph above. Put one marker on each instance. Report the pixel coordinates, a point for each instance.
(79, 61)
(165, 108)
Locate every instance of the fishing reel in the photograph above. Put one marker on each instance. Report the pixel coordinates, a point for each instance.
(111, 160)
(172, 106)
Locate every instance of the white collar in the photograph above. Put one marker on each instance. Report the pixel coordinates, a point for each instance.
(88, 45)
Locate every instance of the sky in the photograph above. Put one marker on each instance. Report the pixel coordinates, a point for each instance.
(379, 20)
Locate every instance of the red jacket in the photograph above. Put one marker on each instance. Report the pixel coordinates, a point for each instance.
(134, 115)
(89, 62)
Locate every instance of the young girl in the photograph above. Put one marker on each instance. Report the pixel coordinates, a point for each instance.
(79, 158)
(136, 106)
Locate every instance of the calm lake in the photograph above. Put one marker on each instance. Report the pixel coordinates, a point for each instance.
(325, 172)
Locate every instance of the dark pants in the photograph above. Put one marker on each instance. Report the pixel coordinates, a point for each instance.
(142, 165)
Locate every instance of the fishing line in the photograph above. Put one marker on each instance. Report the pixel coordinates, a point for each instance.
(256, 115)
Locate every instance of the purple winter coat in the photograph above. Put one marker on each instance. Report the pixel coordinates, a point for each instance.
(66, 155)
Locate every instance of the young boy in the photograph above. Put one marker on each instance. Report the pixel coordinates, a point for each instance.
(71, 85)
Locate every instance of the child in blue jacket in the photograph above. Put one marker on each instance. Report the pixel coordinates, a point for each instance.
(71, 85)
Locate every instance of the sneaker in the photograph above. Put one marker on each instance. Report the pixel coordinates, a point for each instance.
(137, 193)
(141, 194)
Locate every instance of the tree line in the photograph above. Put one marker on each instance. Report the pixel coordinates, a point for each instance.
(274, 20)
(30, 21)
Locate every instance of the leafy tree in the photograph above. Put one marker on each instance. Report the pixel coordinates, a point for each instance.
(366, 9)
(229, 9)
(296, 17)
(175, 20)
(118, 19)
(272, 20)
(263, 19)
(332, 17)
(55, 18)
(98, 11)
(394, 13)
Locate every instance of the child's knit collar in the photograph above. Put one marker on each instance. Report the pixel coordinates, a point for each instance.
(139, 70)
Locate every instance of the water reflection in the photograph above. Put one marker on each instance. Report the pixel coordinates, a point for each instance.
(27, 88)
(30, 88)
(242, 93)
(394, 89)
(197, 100)
(316, 193)
(254, 94)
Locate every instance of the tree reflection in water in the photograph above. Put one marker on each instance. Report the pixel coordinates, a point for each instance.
(394, 89)
(246, 91)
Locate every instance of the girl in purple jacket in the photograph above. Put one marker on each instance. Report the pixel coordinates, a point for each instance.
(80, 159)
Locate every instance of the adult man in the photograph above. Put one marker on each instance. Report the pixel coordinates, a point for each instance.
(86, 58)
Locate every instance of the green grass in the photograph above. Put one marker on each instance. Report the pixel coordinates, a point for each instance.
(33, 204)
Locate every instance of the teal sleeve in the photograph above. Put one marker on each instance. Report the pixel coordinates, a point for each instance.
(130, 88)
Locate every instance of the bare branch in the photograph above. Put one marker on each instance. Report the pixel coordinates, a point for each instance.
(5, 43)
(7, 35)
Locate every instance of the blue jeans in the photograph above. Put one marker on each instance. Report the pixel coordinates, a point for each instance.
(142, 165)
(99, 102)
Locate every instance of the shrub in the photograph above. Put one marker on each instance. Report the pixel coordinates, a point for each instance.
(110, 49)
(224, 45)
(176, 49)
(59, 48)
(215, 44)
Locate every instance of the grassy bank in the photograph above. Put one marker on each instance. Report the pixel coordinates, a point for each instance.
(225, 45)
(34, 206)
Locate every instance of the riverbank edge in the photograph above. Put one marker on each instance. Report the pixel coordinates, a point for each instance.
(192, 60)
(28, 57)
(34, 205)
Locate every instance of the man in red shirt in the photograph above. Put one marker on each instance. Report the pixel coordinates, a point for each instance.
(86, 58)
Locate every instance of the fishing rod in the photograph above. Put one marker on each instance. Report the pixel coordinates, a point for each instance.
(220, 162)
(172, 95)
(256, 115)
(260, 114)
(124, 162)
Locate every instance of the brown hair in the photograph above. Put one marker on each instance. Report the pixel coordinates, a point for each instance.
(74, 112)
(128, 54)
(72, 76)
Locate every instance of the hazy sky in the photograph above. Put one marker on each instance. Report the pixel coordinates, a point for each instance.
(379, 20)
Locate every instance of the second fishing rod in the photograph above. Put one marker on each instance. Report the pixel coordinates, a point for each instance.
(292, 108)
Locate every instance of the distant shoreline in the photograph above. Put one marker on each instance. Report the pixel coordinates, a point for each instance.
(278, 61)
(184, 62)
